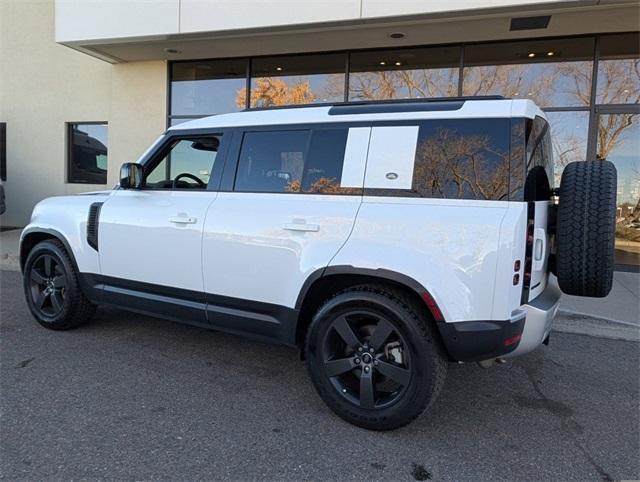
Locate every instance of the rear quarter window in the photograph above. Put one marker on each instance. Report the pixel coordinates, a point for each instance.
(460, 159)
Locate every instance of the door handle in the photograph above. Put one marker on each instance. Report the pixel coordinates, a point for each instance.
(182, 220)
(301, 227)
(539, 248)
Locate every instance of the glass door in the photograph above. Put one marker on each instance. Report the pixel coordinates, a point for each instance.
(618, 141)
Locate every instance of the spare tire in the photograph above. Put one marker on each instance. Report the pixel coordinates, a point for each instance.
(585, 229)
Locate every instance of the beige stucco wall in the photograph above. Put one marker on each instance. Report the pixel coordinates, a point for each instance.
(44, 85)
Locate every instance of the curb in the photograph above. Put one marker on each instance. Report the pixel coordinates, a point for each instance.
(578, 314)
(580, 324)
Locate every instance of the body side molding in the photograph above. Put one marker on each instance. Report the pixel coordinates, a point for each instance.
(253, 319)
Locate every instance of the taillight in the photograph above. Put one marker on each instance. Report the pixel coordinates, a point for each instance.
(528, 258)
(512, 341)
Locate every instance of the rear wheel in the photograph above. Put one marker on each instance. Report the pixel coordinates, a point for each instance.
(52, 289)
(585, 231)
(373, 358)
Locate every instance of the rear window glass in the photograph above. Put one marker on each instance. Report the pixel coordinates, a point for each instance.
(539, 155)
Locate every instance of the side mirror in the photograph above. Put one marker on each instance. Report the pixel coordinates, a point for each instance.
(131, 175)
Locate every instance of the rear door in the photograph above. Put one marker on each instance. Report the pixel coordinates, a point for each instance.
(287, 211)
(538, 184)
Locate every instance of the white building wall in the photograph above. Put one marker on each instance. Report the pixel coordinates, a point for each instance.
(83, 20)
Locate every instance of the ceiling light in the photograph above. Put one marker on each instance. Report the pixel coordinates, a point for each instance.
(382, 62)
(398, 64)
(279, 69)
(531, 55)
(396, 35)
(551, 53)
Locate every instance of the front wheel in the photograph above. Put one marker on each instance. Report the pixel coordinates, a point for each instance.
(373, 357)
(52, 289)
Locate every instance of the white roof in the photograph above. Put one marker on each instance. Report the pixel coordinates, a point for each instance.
(311, 115)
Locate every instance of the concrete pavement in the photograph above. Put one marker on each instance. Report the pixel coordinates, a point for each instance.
(129, 397)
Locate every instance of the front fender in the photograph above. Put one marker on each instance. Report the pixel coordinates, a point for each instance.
(65, 218)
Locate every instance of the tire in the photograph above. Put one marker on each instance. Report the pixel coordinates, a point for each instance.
(52, 290)
(388, 322)
(585, 230)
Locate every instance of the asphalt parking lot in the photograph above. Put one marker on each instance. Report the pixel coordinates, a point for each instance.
(131, 397)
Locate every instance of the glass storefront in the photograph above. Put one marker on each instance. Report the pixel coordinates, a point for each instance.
(404, 74)
(301, 79)
(589, 87)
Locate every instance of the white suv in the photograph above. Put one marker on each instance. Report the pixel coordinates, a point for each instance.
(383, 239)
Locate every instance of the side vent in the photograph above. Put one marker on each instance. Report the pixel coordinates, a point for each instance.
(92, 225)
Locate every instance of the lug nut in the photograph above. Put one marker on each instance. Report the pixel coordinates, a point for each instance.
(370, 350)
(357, 360)
(360, 349)
(366, 369)
(375, 362)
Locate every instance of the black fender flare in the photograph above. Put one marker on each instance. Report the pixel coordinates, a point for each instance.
(380, 273)
(52, 233)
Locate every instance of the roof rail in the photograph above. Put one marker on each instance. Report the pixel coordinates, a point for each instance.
(356, 103)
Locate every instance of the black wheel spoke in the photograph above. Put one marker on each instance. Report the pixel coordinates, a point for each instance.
(36, 277)
(367, 395)
(396, 373)
(341, 325)
(380, 335)
(56, 301)
(334, 368)
(41, 298)
(59, 282)
(48, 266)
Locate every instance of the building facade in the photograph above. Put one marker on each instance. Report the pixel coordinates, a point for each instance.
(85, 86)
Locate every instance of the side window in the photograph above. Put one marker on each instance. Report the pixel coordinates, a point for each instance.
(462, 159)
(186, 165)
(325, 162)
(271, 161)
(303, 161)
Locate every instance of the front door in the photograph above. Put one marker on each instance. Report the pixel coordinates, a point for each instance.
(150, 239)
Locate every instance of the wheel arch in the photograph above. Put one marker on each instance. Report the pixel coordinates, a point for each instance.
(31, 237)
(322, 283)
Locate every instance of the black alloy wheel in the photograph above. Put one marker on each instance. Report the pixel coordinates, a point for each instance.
(364, 355)
(48, 284)
(52, 287)
(374, 356)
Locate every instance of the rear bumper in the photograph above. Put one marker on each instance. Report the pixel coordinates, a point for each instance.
(539, 317)
(469, 341)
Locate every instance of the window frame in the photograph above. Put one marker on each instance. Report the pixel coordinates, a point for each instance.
(69, 152)
(171, 138)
